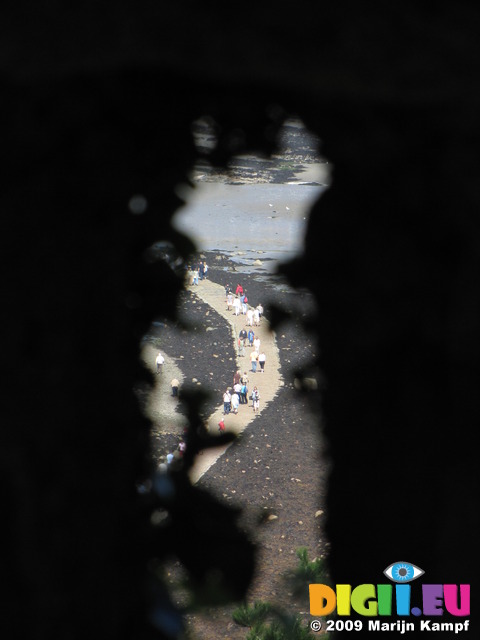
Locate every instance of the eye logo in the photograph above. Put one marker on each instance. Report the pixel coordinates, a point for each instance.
(371, 600)
(403, 572)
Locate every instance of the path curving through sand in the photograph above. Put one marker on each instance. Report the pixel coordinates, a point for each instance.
(161, 405)
(267, 383)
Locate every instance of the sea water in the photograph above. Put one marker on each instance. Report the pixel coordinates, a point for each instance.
(249, 222)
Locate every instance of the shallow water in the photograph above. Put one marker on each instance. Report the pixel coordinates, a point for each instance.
(248, 222)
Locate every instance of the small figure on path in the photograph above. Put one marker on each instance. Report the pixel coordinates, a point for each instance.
(255, 400)
(243, 336)
(241, 348)
(159, 361)
(236, 305)
(253, 360)
(236, 377)
(235, 402)
(239, 290)
(244, 304)
(261, 361)
(238, 389)
(256, 344)
(256, 317)
(175, 384)
(251, 336)
(243, 393)
(227, 398)
(229, 300)
(250, 314)
(221, 426)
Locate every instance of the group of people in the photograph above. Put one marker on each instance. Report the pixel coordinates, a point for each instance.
(238, 301)
(197, 272)
(178, 453)
(257, 355)
(238, 394)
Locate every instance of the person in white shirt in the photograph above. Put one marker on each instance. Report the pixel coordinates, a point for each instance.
(261, 361)
(235, 402)
(159, 360)
(227, 398)
(236, 305)
(249, 317)
(256, 317)
(256, 344)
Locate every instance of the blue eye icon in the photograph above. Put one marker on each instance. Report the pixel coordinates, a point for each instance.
(403, 572)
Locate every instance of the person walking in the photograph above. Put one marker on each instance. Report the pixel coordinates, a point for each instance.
(175, 384)
(251, 336)
(221, 426)
(237, 389)
(227, 399)
(256, 344)
(205, 269)
(255, 400)
(241, 348)
(243, 336)
(261, 360)
(244, 304)
(236, 377)
(235, 402)
(253, 360)
(243, 393)
(159, 361)
(236, 305)
(255, 317)
(250, 314)
(229, 300)
(189, 276)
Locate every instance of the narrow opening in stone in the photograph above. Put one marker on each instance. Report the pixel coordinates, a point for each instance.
(245, 221)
